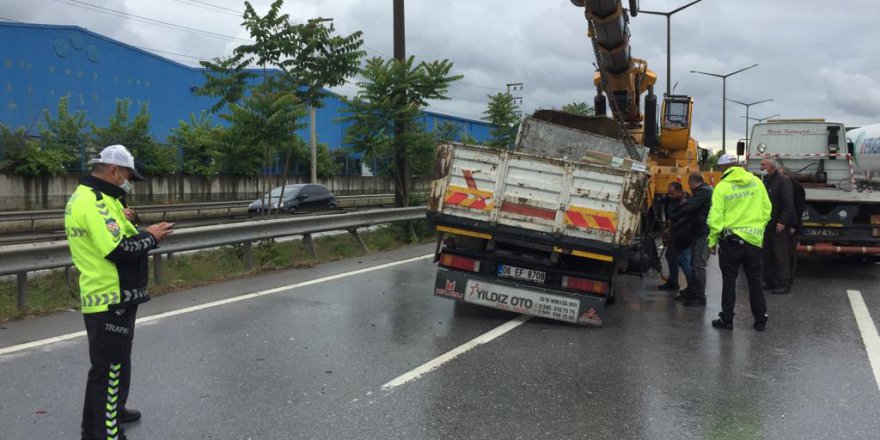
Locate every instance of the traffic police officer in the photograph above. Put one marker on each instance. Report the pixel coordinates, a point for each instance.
(739, 213)
(111, 256)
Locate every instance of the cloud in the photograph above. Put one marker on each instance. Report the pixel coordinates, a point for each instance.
(816, 57)
(856, 94)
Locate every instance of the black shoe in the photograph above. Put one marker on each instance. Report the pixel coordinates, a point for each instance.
(760, 325)
(781, 290)
(667, 286)
(720, 323)
(695, 302)
(684, 294)
(769, 286)
(129, 415)
(119, 437)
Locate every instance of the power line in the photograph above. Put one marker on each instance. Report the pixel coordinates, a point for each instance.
(211, 8)
(538, 100)
(173, 53)
(153, 21)
(217, 6)
(477, 86)
(148, 49)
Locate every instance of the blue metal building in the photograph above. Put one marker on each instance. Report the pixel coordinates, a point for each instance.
(39, 64)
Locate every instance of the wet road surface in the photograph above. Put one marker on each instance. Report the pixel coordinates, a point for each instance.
(309, 362)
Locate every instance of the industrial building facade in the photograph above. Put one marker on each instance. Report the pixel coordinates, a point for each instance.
(42, 63)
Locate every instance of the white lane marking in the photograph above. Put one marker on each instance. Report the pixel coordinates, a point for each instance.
(869, 331)
(52, 340)
(455, 352)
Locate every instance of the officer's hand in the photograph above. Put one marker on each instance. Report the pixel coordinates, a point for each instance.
(131, 215)
(779, 228)
(712, 250)
(791, 231)
(161, 230)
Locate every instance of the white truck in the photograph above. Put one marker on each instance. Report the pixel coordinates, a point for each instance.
(838, 169)
(541, 229)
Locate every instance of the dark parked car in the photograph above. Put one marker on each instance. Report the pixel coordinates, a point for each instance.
(300, 197)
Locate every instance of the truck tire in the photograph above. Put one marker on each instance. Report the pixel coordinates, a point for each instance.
(611, 298)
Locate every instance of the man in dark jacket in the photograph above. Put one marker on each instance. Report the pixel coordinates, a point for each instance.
(673, 201)
(693, 216)
(799, 197)
(777, 237)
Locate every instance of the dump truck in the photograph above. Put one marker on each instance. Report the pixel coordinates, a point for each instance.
(839, 171)
(542, 229)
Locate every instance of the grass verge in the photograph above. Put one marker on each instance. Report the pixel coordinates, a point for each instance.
(51, 292)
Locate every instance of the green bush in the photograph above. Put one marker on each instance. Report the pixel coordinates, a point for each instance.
(23, 155)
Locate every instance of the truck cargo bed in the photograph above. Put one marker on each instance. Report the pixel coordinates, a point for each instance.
(550, 196)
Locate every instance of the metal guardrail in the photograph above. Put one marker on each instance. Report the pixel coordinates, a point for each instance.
(49, 214)
(23, 258)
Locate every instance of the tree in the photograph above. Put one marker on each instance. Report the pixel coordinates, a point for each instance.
(24, 156)
(501, 113)
(65, 133)
(316, 59)
(579, 108)
(328, 167)
(304, 58)
(135, 135)
(467, 138)
(385, 112)
(447, 131)
(264, 122)
(294, 61)
(712, 161)
(200, 140)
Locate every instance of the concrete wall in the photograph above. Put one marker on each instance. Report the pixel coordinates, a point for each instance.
(24, 193)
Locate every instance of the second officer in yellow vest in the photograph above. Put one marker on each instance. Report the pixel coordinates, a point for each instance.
(739, 213)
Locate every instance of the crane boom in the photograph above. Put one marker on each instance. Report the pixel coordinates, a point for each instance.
(622, 79)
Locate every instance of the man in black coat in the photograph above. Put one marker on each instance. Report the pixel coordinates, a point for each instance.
(799, 197)
(693, 216)
(777, 236)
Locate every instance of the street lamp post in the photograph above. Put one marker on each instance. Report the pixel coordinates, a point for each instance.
(762, 119)
(313, 130)
(724, 100)
(668, 16)
(747, 105)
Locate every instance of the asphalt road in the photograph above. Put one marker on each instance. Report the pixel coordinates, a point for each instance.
(310, 362)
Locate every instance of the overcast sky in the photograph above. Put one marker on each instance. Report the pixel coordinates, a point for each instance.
(816, 58)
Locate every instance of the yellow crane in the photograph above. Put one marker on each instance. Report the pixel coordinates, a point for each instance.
(622, 79)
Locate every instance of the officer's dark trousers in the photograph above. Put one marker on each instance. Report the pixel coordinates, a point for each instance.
(732, 255)
(110, 335)
(777, 261)
(792, 256)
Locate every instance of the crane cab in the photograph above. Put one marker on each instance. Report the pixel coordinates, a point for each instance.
(675, 124)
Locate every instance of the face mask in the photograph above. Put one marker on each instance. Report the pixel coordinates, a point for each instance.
(126, 186)
(762, 173)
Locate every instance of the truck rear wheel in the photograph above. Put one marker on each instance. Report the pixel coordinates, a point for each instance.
(611, 298)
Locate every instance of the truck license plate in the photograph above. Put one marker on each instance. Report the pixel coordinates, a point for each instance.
(821, 232)
(535, 276)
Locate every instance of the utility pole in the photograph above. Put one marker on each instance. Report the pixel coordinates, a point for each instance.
(399, 32)
(401, 197)
(517, 100)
